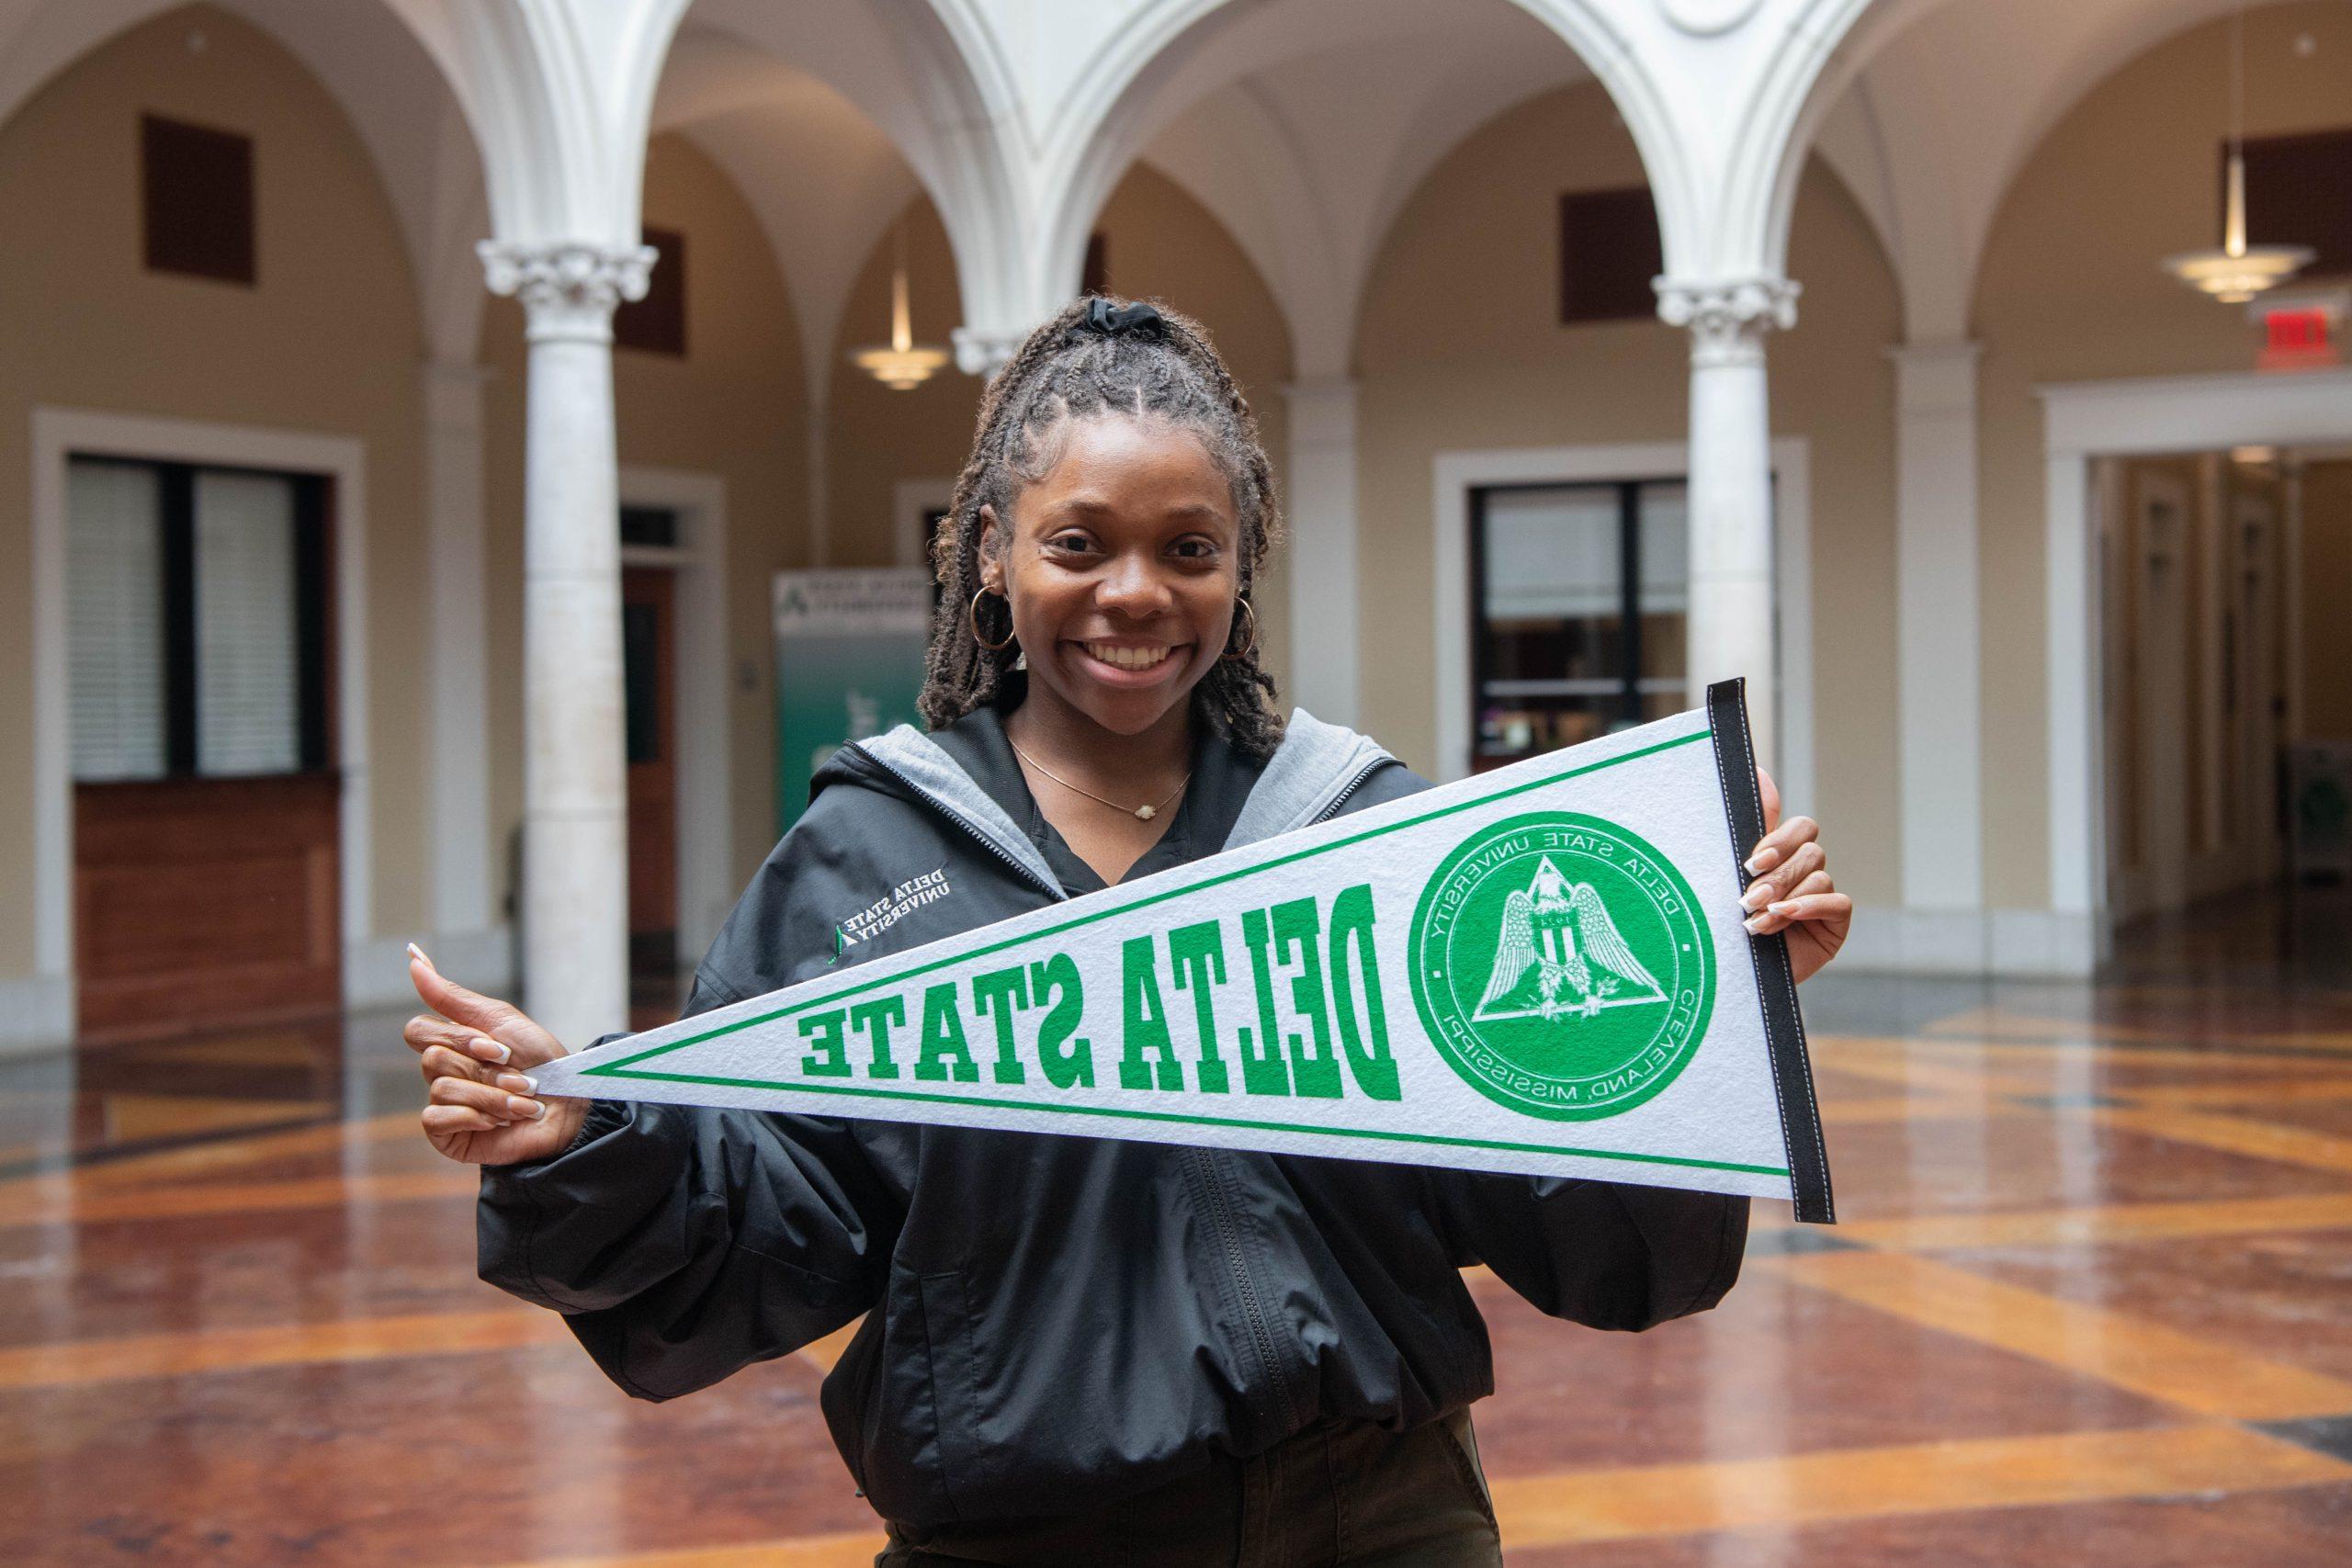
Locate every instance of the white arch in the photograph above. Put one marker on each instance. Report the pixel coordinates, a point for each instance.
(1091, 100)
(1932, 108)
(1308, 174)
(829, 118)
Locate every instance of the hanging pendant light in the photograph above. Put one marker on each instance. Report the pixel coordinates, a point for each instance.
(2237, 272)
(901, 365)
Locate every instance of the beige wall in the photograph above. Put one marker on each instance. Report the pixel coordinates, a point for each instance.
(2069, 290)
(733, 407)
(329, 340)
(1458, 348)
(877, 438)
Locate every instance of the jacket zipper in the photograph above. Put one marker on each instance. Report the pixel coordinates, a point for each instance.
(1353, 785)
(958, 818)
(1224, 1218)
(1223, 1213)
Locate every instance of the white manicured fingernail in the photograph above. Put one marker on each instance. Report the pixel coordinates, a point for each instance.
(419, 954)
(1786, 909)
(529, 1110)
(1762, 861)
(1755, 897)
(1756, 927)
(490, 1050)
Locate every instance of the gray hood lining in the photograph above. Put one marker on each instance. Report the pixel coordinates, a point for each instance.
(1316, 764)
(919, 762)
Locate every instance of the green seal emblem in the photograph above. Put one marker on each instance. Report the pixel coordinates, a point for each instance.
(1562, 966)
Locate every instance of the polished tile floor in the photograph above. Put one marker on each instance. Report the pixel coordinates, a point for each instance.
(2092, 1304)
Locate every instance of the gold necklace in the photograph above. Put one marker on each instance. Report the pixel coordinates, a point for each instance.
(1140, 813)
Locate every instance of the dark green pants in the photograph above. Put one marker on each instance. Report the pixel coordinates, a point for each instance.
(1337, 1495)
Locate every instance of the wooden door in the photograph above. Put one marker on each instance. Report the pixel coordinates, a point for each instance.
(200, 903)
(649, 639)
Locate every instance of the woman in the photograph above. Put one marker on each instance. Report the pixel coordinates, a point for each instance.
(1074, 1350)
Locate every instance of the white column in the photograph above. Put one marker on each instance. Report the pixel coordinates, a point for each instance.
(1730, 625)
(1937, 617)
(575, 842)
(458, 674)
(2077, 789)
(1324, 592)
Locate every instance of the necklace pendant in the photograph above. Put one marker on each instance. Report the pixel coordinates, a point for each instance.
(1146, 813)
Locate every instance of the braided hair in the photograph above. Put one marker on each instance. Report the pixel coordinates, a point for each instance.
(1101, 357)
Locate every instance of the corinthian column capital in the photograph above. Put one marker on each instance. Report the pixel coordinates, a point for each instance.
(568, 288)
(1727, 317)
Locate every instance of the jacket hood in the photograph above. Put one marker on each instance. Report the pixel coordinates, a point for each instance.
(1310, 772)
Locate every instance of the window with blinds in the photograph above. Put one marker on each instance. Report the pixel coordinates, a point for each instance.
(1580, 600)
(114, 621)
(196, 621)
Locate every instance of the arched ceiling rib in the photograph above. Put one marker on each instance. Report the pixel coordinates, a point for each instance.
(829, 116)
(1267, 123)
(1940, 104)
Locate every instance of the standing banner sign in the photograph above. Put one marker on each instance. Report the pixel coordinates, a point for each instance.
(1541, 969)
(849, 660)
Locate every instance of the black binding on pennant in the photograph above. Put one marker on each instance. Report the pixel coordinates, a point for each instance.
(1784, 1023)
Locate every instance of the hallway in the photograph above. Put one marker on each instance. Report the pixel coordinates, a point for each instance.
(2086, 1306)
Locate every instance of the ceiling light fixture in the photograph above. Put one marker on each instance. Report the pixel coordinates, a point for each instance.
(901, 365)
(2237, 272)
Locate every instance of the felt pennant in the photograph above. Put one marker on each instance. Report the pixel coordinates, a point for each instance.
(1541, 969)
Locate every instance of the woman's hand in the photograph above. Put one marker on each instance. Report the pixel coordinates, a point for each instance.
(1793, 892)
(475, 1056)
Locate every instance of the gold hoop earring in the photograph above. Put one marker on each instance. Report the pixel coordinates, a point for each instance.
(1247, 649)
(973, 615)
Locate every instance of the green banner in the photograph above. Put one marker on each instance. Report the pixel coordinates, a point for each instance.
(849, 656)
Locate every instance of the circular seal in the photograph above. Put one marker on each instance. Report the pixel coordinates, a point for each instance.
(1562, 966)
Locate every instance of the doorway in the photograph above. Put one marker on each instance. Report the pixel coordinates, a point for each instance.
(649, 684)
(2202, 658)
(205, 800)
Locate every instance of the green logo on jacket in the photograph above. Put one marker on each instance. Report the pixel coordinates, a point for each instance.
(1561, 965)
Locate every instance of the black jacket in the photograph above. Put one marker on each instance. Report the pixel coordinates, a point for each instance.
(1051, 1321)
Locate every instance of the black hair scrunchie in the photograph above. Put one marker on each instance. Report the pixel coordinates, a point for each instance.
(1106, 320)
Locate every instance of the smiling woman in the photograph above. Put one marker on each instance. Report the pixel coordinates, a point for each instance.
(1080, 1349)
(1115, 510)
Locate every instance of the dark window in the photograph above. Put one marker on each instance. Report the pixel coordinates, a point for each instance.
(1609, 253)
(653, 526)
(657, 323)
(1095, 277)
(197, 191)
(196, 621)
(1578, 610)
(2299, 192)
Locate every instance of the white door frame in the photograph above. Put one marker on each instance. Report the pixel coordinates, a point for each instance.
(1459, 473)
(707, 880)
(2140, 416)
(59, 435)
